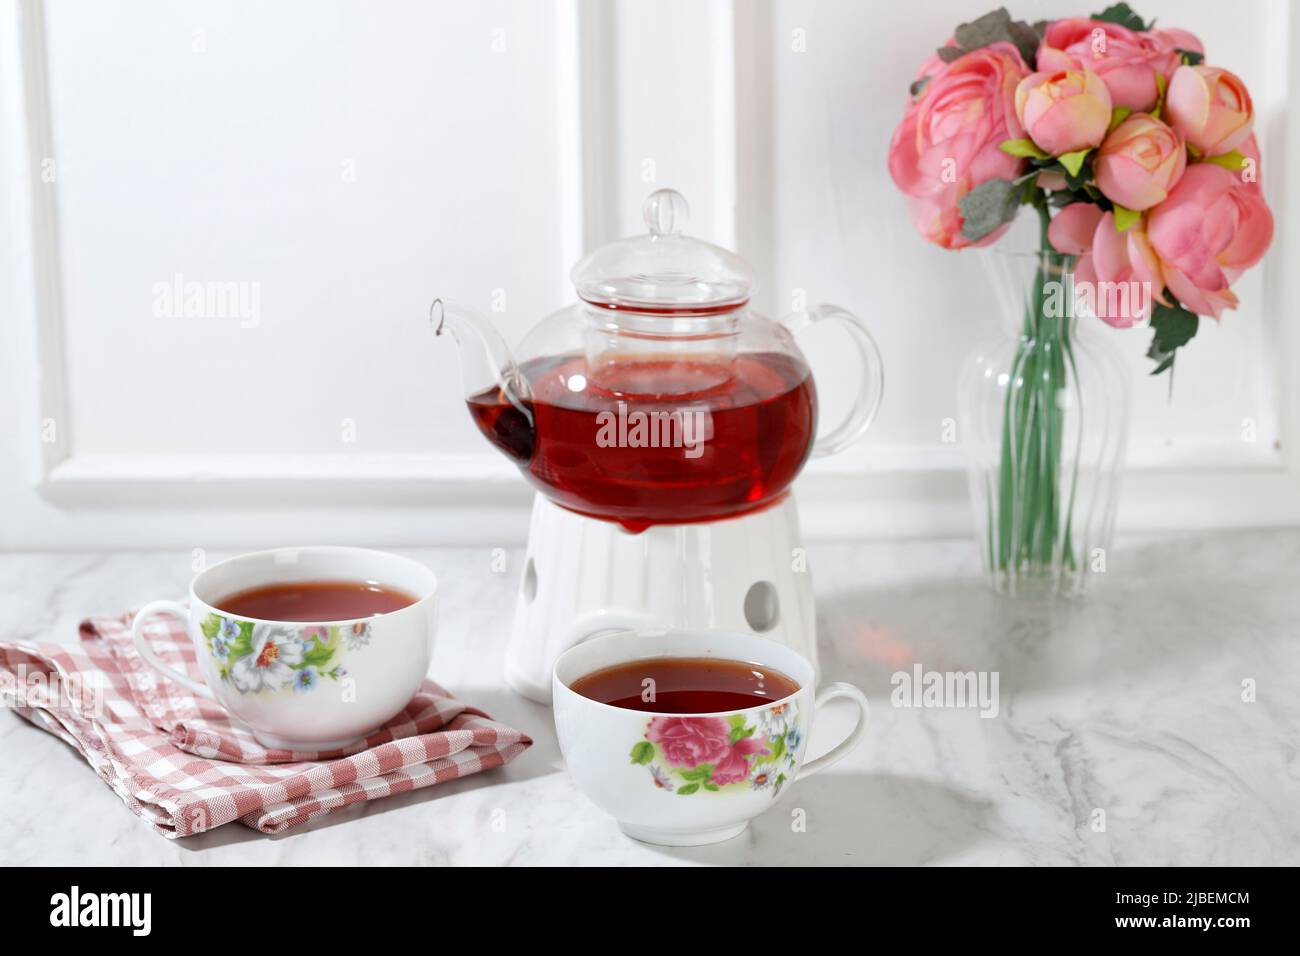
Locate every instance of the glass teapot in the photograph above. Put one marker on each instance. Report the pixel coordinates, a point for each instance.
(659, 397)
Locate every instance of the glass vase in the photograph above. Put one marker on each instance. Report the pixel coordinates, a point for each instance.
(1043, 420)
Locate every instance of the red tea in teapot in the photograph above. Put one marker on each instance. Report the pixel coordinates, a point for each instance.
(658, 440)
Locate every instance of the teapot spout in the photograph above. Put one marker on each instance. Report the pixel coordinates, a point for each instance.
(485, 361)
(495, 388)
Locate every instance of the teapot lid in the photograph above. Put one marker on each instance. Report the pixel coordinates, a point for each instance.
(665, 270)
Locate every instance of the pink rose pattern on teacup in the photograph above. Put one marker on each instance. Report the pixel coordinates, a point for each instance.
(257, 656)
(685, 755)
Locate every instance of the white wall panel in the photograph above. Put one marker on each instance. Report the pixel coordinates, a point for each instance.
(350, 160)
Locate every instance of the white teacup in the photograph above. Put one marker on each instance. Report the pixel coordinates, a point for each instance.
(324, 684)
(656, 790)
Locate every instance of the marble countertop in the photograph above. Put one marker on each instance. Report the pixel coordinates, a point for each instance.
(1130, 703)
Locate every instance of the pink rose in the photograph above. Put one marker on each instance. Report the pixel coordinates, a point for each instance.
(1126, 61)
(1170, 43)
(1065, 111)
(1251, 174)
(1140, 161)
(734, 766)
(949, 140)
(690, 741)
(1117, 272)
(1071, 229)
(1210, 107)
(1207, 233)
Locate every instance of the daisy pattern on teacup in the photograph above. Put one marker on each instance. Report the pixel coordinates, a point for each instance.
(357, 634)
(264, 656)
(276, 650)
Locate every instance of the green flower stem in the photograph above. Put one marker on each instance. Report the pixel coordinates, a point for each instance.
(1031, 539)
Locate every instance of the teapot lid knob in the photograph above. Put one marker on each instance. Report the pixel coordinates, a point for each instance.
(666, 212)
(664, 270)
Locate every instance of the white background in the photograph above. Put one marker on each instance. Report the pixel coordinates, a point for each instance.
(355, 159)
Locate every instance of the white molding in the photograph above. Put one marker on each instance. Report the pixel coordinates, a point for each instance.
(42, 218)
(597, 103)
(572, 109)
(755, 217)
(722, 90)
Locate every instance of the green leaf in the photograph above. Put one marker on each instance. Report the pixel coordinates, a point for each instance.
(1174, 326)
(949, 53)
(712, 787)
(1073, 162)
(1118, 115)
(1022, 147)
(1126, 219)
(988, 206)
(210, 625)
(1191, 57)
(1160, 95)
(318, 656)
(242, 646)
(643, 752)
(687, 790)
(1122, 14)
(918, 87)
(703, 772)
(982, 31)
(1233, 162)
(741, 732)
(1026, 39)
(996, 26)
(777, 748)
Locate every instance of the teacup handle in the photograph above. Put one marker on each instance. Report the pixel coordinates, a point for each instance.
(824, 696)
(153, 660)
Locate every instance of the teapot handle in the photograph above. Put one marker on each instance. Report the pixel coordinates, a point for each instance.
(872, 382)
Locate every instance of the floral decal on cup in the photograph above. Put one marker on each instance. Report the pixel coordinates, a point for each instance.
(688, 754)
(255, 657)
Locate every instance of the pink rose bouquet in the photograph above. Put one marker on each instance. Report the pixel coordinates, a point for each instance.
(1146, 152)
(1140, 160)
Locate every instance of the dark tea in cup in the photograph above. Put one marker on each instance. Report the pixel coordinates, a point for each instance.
(315, 601)
(685, 685)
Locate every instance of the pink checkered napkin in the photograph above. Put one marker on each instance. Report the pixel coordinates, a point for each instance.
(181, 763)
